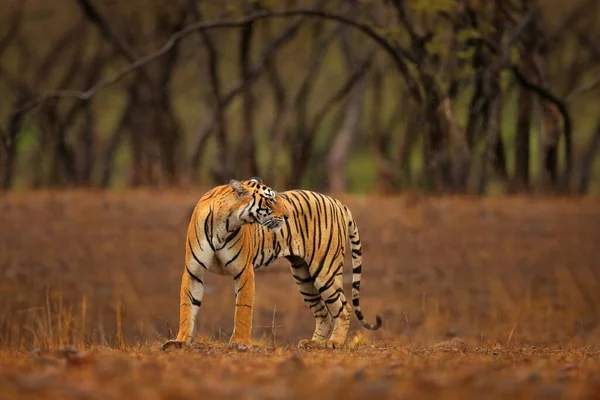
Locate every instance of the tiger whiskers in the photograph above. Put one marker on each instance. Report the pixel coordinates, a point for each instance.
(258, 228)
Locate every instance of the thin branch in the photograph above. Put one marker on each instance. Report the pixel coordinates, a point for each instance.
(584, 89)
(106, 29)
(398, 55)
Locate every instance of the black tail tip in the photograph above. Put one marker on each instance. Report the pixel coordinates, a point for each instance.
(377, 325)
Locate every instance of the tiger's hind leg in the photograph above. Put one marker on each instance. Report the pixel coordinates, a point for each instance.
(332, 292)
(313, 300)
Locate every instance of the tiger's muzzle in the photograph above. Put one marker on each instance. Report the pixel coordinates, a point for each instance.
(274, 223)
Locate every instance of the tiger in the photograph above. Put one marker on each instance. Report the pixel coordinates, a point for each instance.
(239, 227)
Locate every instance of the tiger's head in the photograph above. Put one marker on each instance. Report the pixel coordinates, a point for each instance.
(257, 202)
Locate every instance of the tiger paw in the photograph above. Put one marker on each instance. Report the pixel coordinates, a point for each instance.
(174, 344)
(239, 345)
(331, 344)
(308, 344)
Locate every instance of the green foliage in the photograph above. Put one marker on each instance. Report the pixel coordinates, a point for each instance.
(467, 34)
(361, 172)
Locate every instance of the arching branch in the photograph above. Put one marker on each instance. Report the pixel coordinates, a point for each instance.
(399, 55)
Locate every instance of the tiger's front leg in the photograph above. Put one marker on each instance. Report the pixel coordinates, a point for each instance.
(190, 299)
(241, 337)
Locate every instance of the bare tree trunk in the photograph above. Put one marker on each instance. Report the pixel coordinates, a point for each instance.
(169, 131)
(381, 137)
(552, 136)
(338, 154)
(142, 135)
(587, 161)
(87, 145)
(9, 142)
(247, 150)
(436, 160)
(281, 123)
(522, 141)
(488, 155)
(458, 151)
(411, 133)
(116, 139)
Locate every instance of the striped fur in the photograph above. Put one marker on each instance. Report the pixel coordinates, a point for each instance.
(240, 227)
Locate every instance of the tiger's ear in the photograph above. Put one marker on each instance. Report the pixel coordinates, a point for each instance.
(238, 188)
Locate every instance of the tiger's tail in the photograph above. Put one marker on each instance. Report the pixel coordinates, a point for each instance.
(356, 247)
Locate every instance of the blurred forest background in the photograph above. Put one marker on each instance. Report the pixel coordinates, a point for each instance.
(445, 96)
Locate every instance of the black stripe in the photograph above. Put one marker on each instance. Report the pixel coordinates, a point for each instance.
(329, 282)
(320, 309)
(307, 200)
(296, 213)
(304, 231)
(297, 221)
(358, 252)
(317, 203)
(194, 255)
(236, 242)
(357, 269)
(316, 273)
(336, 291)
(241, 287)
(324, 208)
(313, 295)
(313, 301)
(234, 257)
(355, 302)
(262, 247)
(197, 236)
(194, 301)
(302, 280)
(230, 237)
(316, 234)
(194, 277)
(235, 278)
(356, 285)
(227, 221)
(289, 235)
(249, 206)
(261, 233)
(340, 310)
(206, 233)
(330, 301)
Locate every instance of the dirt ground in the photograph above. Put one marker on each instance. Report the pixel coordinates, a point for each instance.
(484, 298)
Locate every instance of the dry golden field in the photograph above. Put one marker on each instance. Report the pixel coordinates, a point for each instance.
(492, 298)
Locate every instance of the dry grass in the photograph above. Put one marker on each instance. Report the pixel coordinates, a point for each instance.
(495, 297)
